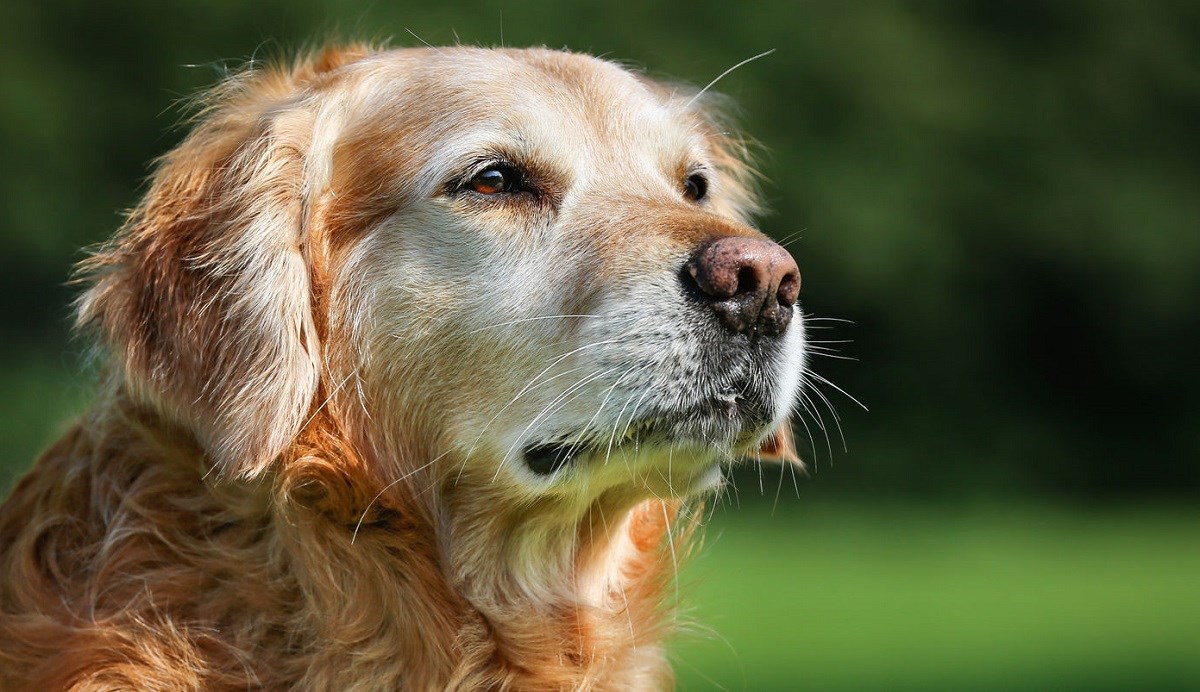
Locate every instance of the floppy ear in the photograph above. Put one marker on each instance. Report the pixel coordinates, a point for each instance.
(780, 446)
(203, 296)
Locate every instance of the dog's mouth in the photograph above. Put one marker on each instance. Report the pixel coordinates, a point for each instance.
(545, 459)
(724, 422)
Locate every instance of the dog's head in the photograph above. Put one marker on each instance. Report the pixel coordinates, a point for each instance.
(525, 267)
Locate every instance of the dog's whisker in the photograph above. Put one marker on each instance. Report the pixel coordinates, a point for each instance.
(633, 414)
(536, 380)
(829, 405)
(834, 356)
(523, 320)
(786, 241)
(608, 395)
(427, 44)
(837, 419)
(807, 430)
(811, 408)
(329, 398)
(671, 546)
(613, 433)
(388, 487)
(795, 482)
(721, 76)
(533, 384)
(759, 465)
(671, 472)
(545, 411)
(620, 582)
(778, 488)
(819, 378)
(629, 421)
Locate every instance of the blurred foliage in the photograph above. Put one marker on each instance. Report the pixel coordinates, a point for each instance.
(1002, 197)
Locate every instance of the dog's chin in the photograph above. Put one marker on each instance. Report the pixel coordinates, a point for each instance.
(683, 450)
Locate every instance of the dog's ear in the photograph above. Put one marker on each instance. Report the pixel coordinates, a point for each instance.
(204, 294)
(780, 446)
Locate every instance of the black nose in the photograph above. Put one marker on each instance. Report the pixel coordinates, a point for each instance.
(751, 284)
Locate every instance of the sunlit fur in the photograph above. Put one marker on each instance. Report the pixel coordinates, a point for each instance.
(303, 466)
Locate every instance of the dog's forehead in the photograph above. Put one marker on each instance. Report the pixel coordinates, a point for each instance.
(532, 94)
(404, 123)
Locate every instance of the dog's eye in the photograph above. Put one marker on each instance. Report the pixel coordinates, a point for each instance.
(494, 179)
(695, 187)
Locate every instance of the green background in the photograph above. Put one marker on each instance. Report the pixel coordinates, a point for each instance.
(1003, 200)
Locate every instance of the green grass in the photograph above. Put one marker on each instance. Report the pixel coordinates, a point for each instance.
(891, 597)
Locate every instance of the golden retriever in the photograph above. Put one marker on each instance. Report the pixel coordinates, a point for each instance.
(412, 357)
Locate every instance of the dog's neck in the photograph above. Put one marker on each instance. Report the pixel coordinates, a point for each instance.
(545, 595)
(573, 596)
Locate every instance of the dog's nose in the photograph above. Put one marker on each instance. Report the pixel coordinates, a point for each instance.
(750, 283)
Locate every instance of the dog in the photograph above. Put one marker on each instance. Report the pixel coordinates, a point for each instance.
(413, 359)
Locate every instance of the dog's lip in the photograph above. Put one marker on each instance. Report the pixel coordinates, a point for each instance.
(547, 457)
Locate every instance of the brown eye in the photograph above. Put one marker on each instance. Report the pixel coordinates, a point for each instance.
(494, 180)
(695, 187)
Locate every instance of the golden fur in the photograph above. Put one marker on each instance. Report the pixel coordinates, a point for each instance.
(292, 476)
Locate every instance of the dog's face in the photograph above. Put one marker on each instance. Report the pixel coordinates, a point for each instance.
(531, 290)
(524, 268)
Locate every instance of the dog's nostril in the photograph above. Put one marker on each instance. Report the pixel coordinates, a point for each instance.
(750, 283)
(747, 280)
(789, 289)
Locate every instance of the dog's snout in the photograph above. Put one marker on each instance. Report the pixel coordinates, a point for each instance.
(751, 284)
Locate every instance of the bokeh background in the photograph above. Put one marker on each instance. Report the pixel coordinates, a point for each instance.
(1001, 199)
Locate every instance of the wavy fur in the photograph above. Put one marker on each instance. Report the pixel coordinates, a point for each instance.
(282, 483)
